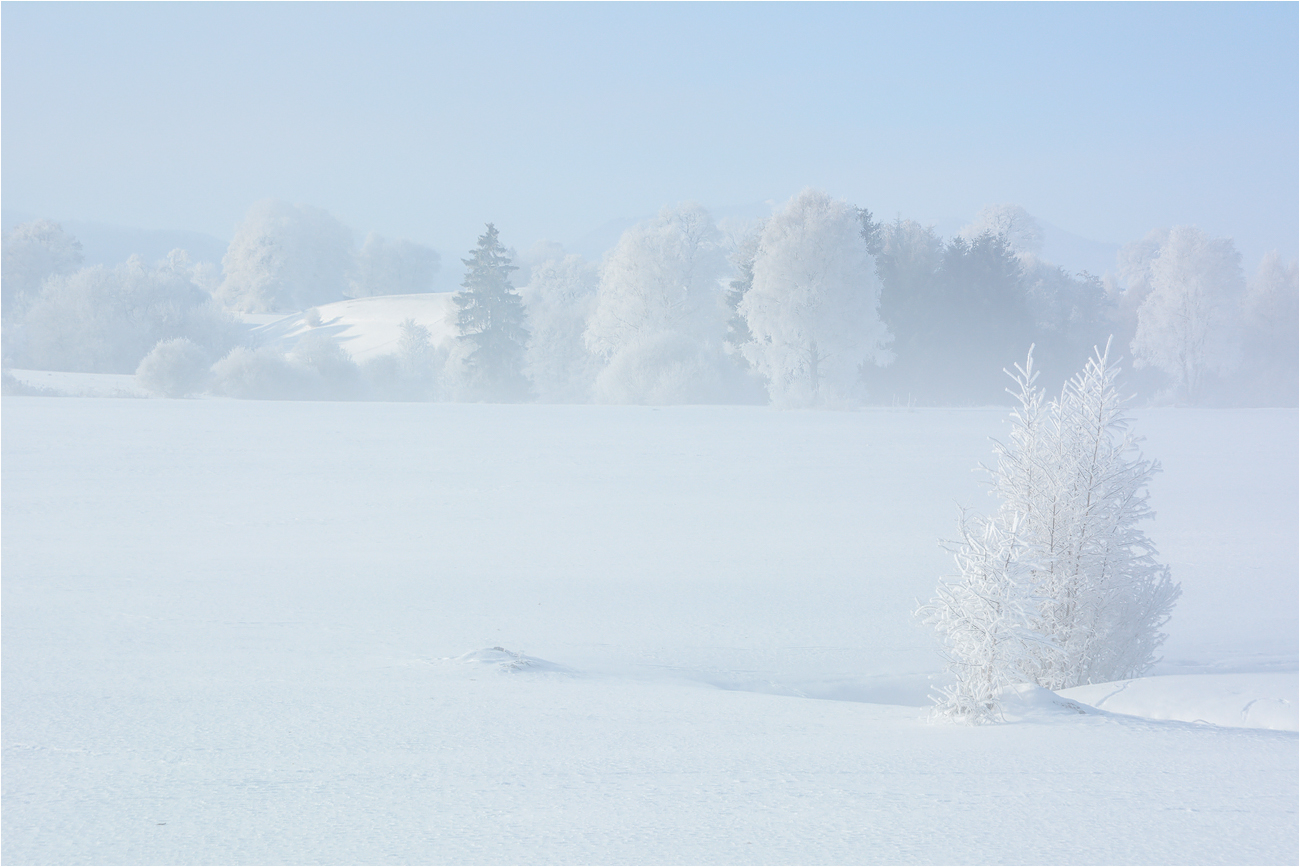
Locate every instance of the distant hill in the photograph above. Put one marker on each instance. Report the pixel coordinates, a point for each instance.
(367, 327)
(1074, 253)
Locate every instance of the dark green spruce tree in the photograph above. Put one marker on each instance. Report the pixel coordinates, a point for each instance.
(491, 321)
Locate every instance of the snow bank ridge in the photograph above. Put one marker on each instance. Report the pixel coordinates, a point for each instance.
(509, 661)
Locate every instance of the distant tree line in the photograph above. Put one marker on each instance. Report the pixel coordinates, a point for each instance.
(821, 304)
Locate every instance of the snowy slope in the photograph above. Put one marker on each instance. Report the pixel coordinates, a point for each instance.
(245, 631)
(367, 327)
(1266, 700)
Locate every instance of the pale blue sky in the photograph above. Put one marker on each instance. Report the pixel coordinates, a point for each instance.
(425, 120)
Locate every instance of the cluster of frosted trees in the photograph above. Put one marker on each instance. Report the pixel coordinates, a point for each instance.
(59, 315)
(818, 305)
(1060, 587)
(286, 258)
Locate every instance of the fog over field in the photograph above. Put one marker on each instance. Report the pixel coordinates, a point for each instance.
(650, 433)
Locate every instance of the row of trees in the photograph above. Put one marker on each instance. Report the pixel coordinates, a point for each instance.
(820, 304)
(827, 306)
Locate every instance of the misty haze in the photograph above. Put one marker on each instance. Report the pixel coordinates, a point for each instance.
(669, 433)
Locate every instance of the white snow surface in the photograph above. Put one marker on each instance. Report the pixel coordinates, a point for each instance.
(1266, 700)
(367, 327)
(264, 632)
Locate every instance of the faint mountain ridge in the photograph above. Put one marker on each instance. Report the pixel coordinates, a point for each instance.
(106, 244)
(1076, 253)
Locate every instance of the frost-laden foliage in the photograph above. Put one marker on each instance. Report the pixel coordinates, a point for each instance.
(317, 369)
(1186, 324)
(561, 295)
(285, 258)
(105, 320)
(413, 372)
(659, 322)
(983, 619)
(812, 311)
(31, 253)
(955, 309)
(174, 368)
(491, 324)
(1063, 557)
(1271, 344)
(742, 259)
(1022, 232)
(399, 267)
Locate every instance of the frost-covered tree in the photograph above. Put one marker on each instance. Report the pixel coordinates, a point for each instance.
(285, 258)
(1186, 324)
(413, 372)
(1064, 553)
(955, 311)
(812, 310)
(1271, 344)
(31, 253)
(660, 319)
(105, 320)
(399, 267)
(742, 259)
(982, 617)
(491, 324)
(561, 295)
(1022, 232)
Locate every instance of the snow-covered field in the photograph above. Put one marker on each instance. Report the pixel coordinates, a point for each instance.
(260, 632)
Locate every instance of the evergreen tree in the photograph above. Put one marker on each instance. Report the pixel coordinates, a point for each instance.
(491, 321)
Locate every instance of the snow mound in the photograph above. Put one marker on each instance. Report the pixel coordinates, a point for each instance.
(1260, 700)
(366, 327)
(1025, 702)
(508, 660)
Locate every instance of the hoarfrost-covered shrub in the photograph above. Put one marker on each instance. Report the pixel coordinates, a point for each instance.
(420, 364)
(1060, 587)
(317, 369)
(174, 368)
(261, 374)
(413, 372)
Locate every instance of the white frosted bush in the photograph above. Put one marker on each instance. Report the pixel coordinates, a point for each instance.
(1060, 587)
(261, 374)
(174, 368)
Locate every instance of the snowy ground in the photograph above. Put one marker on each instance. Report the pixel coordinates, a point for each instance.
(239, 631)
(366, 327)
